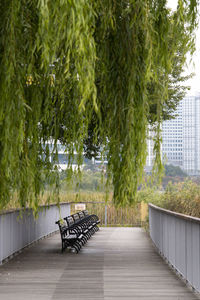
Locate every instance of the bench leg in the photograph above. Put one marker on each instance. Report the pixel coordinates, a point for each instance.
(75, 246)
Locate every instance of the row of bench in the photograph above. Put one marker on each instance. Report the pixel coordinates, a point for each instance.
(76, 229)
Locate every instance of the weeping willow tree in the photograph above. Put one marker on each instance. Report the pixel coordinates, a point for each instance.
(65, 64)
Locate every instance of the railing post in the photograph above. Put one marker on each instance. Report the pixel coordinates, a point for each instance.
(106, 215)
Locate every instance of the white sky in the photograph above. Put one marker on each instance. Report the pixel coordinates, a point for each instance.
(194, 65)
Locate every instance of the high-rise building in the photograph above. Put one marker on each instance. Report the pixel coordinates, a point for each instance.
(181, 137)
(172, 139)
(191, 134)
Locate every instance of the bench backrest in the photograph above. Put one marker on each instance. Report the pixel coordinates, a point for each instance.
(86, 213)
(81, 215)
(70, 221)
(76, 217)
(62, 225)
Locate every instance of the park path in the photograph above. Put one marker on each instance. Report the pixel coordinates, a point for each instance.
(116, 263)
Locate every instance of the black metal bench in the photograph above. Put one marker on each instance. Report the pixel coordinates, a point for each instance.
(69, 237)
(75, 230)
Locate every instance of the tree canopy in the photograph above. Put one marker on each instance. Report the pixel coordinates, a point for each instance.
(171, 170)
(65, 64)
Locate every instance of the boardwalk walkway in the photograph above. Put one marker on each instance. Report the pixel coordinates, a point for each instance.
(117, 263)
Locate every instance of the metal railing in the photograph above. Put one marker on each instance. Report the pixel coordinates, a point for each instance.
(19, 229)
(177, 238)
(112, 216)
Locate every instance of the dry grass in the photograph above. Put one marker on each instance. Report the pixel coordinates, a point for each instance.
(49, 198)
(95, 203)
(183, 197)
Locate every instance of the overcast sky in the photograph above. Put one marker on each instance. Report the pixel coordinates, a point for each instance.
(194, 66)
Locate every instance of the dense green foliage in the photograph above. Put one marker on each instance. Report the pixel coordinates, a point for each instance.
(173, 171)
(66, 63)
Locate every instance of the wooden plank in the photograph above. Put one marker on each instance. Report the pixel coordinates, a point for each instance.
(116, 263)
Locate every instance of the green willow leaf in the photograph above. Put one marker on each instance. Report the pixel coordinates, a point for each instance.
(65, 65)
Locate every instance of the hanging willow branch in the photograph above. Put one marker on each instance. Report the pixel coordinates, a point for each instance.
(65, 63)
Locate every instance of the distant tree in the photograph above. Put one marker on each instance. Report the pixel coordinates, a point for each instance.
(171, 170)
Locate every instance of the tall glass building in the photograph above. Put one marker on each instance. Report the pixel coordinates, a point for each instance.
(181, 137)
(172, 139)
(191, 134)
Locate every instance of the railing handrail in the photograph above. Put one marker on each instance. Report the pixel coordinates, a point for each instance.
(172, 213)
(46, 206)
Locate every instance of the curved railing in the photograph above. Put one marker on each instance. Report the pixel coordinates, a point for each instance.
(177, 238)
(19, 228)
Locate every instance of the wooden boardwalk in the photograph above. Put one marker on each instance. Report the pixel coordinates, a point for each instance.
(116, 263)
